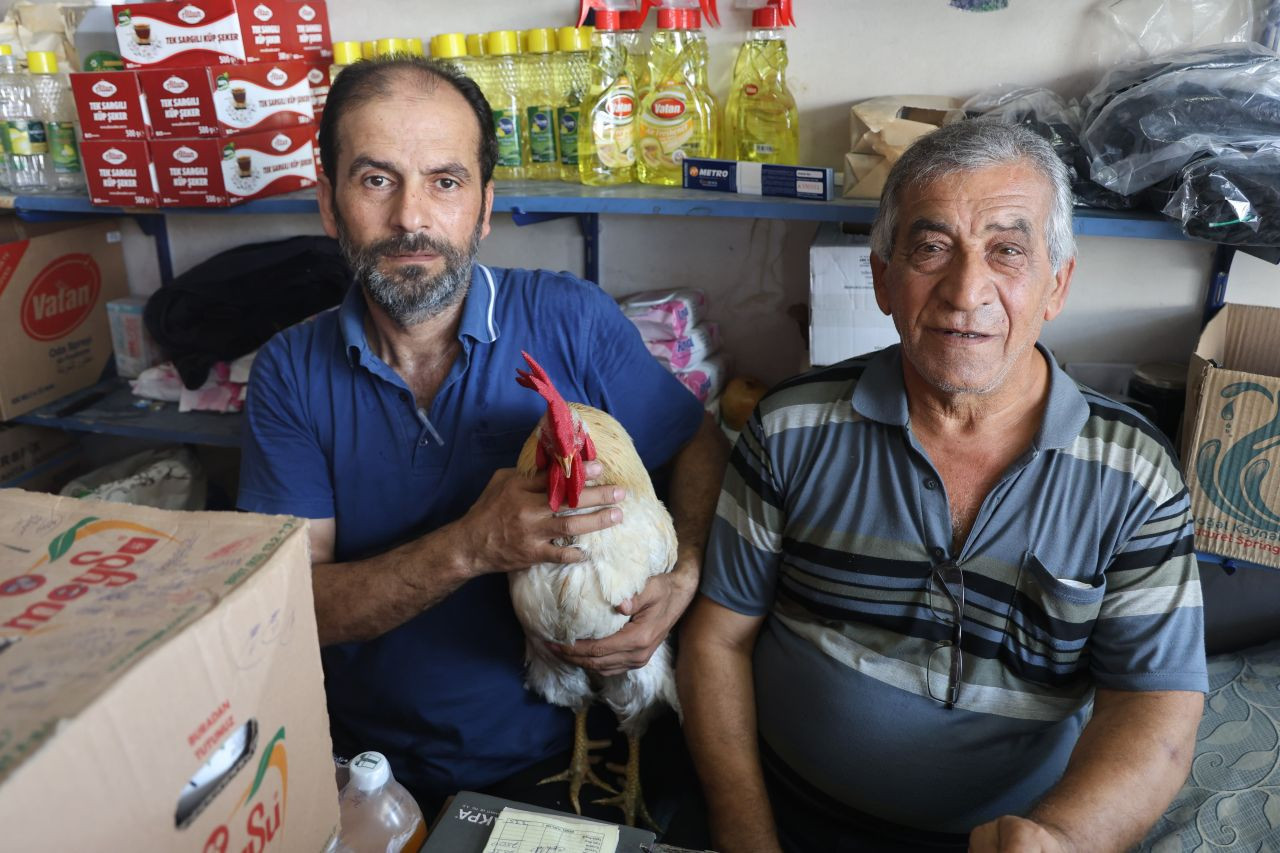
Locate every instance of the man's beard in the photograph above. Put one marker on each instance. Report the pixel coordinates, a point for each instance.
(409, 294)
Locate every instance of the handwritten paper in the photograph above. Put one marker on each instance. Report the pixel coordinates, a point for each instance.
(517, 831)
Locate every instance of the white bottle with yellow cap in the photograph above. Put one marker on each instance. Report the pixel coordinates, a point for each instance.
(502, 89)
(344, 53)
(25, 145)
(56, 107)
(9, 71)
(539, 99)
(573, 77)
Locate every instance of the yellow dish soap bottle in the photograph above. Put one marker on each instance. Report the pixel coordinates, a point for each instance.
(606, 145)
(678, 118)
(540, 98)
(762, 122)
(502, 89)
(573, 76)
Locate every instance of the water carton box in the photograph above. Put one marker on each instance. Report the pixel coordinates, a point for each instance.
(1230, 452)
(163, 688)
(54, 337)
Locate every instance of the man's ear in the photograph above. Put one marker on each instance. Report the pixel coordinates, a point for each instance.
(879, 278)
(1060, 287)
(325, 198)
(488, 209)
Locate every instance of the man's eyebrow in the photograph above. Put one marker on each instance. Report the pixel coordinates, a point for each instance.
(364, 162)
(1018, 224)
(922, 224)
(454, 168)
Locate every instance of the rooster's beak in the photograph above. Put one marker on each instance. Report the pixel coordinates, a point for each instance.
(566, 462)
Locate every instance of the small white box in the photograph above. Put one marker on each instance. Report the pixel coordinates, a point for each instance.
(844, 320)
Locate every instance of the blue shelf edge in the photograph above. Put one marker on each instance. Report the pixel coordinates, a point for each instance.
(109, 408)
(1230, 564)
(533, 197)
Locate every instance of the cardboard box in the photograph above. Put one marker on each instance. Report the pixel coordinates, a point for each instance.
(134, 348)
(163, 682)
(844, 319)
(218, 32)
(222, 172)
(119, 172)
(37, 459)
(318, 77)
(306, 31)
(53, 321)
(746, 178)
(1233, 405)
(110, 105)
(228, 100)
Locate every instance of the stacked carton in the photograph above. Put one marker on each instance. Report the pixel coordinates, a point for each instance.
(215, 107)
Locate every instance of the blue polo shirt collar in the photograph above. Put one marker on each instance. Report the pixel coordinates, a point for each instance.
(881, 396)
(478, 320)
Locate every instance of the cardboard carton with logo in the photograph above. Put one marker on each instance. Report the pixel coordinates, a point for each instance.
(220, 32)
(228, 100)
(1231, 454)
(119, 172)
(110, 105)
(163, 681)
(54, 336)
(222, 172)
(37, 459)
(844, 319)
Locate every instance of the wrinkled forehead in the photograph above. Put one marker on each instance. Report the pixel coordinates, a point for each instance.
(416, 113)
(1012, 197)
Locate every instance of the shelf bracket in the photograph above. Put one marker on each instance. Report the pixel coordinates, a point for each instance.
(588, 224)
(1216, 296)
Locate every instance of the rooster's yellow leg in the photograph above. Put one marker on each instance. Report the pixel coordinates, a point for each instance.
(580, 765)
(630, 799)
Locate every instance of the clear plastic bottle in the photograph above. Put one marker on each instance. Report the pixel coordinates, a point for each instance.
(629, 33)
(26, 145)
(762, 122)
(56, 107)
(502, 89)
(679, 117)
(9, 70)
(539, 99)
(344, 53)
(606, 144)
(573, 76)
(378, 815)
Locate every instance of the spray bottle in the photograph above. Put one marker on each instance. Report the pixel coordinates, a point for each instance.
(606, 140)
(761, 121)
(637, 46)
(679, 117)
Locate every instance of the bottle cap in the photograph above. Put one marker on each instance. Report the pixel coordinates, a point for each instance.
(574, 38)
(768, 18)
(390, 47)
(449, 45)
(608, 21)
(42, 62)
(679, 19)
(540, 41)
(6, 50)
(413, 47)
(475, 44)
(502, 43)
(346, 52)
(369, 771)
(367, 50)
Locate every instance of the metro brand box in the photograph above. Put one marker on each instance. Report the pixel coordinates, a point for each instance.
(163, 682)
(119, 172)
(222, 172)
(227, 100)
(54, 337)
(1230, 454)
(110, 105)
(218, 32)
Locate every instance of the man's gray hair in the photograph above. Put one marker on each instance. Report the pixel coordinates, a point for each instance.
(965, 147)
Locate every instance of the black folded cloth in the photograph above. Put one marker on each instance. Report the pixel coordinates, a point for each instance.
(232, 303)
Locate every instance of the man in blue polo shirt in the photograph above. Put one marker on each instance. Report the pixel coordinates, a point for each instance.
(950, 599)
(393, 422)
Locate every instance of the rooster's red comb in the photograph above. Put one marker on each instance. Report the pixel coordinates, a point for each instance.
(557, 409)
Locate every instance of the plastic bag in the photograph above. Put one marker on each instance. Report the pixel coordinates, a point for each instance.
(167, 478)
(1145, 121)
(1231, 198)
(1126, 30)
(1057, 120)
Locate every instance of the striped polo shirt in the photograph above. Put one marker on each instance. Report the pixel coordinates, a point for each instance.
(1078, 572)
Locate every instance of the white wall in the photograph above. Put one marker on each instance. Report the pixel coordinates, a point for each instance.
(1133, 300)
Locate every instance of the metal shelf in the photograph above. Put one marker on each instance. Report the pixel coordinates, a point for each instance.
(534, 198)
(110, 408)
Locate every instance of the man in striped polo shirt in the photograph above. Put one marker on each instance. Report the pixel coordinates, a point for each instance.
(950, 598)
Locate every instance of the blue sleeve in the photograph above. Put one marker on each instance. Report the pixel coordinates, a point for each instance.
(659, 413)
(283, 468)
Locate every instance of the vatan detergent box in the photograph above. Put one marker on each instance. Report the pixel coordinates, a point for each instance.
(160, 681)
(740, 176)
